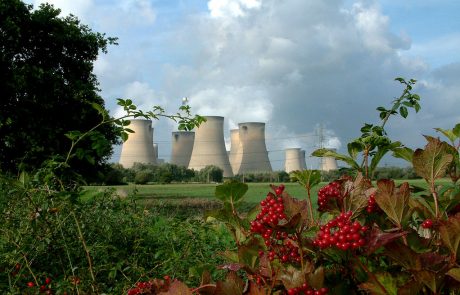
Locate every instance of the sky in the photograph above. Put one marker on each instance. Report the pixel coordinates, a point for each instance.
(297, 65)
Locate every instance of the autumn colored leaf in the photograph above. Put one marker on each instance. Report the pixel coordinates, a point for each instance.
(254, 289)
(431, 163)
(454, 273)
(393, 202)
(450, 233)
(428, 278)
(293, 206)
(403, 255)
(380, 284)
(378, 238)
(410, 288)
(233, 285)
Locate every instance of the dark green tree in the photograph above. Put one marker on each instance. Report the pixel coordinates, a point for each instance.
(47, 85)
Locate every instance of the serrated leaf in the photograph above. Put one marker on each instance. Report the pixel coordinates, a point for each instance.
(381, 151)
(450, 233)
(255, 289)
(292, 277)
(454, 273)
(306, 178)
(340, 157)
(358, 193)
(316, 278)
(393, 202)
(231, 192)
(296, 209)
(233, 285)
(431, 163)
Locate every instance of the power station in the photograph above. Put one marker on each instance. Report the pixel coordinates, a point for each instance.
(139, 146)
(209, 146)
(206, 146)
(294, 160)
(182, 147)
(252, 153)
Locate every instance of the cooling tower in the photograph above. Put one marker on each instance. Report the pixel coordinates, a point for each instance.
(294, 160)
(329, 163)
(155, 152)
(254, 155)
(182, 146)
(139, 146)
(304, 164)
(209, 146)
(235, 154)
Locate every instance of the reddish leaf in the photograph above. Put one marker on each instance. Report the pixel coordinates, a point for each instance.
(231, 266)
(177, 288)
(293, 206)
(292, 277)
(265, 268)
(233, 285)
(316, 278)
(450, 233)
(378, 238)
(358, 194)
(432, 260)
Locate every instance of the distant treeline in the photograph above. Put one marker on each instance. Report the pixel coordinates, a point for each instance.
(170, 173)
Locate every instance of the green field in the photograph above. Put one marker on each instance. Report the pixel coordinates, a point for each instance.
(198, 197)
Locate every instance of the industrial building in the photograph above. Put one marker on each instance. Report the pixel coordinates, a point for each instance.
(139, 147)
(182, 147)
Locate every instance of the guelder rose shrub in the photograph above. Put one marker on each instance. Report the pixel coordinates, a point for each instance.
(360, 236)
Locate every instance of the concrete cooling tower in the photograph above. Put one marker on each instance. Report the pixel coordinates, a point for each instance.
(235, 147)
(209, 146)
(329, 163)
(139, 146)
(303, 161)
(295, 160)
(252, 148)
(182, 146)
(155, 152)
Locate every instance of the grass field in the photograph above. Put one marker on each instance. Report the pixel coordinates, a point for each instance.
(198, 197)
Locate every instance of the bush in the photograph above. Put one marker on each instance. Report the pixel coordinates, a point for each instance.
(143, 177)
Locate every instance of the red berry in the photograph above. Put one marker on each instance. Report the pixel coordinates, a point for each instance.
(30, 284)
(428, 223)
(47, 281)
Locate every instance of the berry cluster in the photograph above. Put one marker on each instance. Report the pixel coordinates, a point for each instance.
(278, 242)
(372, 205)
(151, 287)
(306, 290)
(44, 288)
(341, 233)
(428, 223)
(330, 191)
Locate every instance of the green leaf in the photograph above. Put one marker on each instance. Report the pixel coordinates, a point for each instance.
(381, 151)
(403, 111)
(233, 285)
(340, 157)
(231, 192)
(99, 109)
(456, 130)
(393, 202)
(454, 273)
(124, 136)
(431, 163)
(306, 178)
(448, 133)
(380, 284)
(404, 153)
(354, 148)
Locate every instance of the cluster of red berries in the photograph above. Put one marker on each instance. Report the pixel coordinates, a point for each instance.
(372, 205)
(428, 223)
(149, 287)
(341, 233)
(278, 242)
(330, 191)
(306, 290)
(45, 288)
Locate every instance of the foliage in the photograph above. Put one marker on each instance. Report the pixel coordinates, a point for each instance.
(210, 173)
(47, 84)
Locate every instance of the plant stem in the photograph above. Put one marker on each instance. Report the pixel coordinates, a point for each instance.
(370, 274)
(312, 218)
(88, 256)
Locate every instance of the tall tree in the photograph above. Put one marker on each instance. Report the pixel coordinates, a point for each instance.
(47, 86)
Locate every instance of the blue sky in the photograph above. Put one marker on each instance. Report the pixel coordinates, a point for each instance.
(294, 64)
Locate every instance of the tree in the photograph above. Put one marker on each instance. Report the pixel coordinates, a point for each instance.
(48, 86)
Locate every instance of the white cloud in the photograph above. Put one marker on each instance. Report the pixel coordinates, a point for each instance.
(78, 8)
(232, 8)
